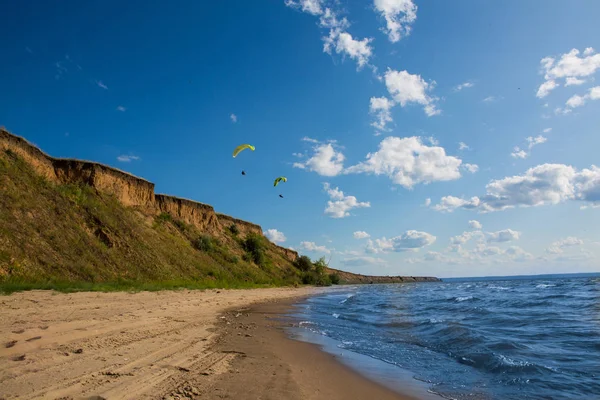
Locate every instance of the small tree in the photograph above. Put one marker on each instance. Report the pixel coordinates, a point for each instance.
(303, 263)
(320, 266)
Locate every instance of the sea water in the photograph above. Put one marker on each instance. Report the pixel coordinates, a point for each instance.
(513, 339)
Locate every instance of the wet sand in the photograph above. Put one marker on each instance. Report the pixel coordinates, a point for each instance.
(165, 345)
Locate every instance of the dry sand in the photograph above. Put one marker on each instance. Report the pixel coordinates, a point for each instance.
(164, 345)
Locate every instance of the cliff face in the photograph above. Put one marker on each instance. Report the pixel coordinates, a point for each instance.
(132, 191)
(128, 189)
(350, 278)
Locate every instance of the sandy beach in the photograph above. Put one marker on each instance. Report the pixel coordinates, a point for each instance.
(165, 345)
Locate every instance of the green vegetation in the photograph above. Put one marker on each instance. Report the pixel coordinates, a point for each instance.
(233, 228)
(72, 237)
(334, 278)
(315, 273)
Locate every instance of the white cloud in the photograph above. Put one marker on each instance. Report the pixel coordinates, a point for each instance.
(575, 101)
(516, 253)
(466, 237)
(340, 205)
(486, 251)
(233, 118)
(343, 43)
(463, 146)
(451, 203)
(102, 85)
(314, 7)
(547, 130)
(541, 185)
(531, 143)
(489, 99)
(326, 161)
(472, 168)
(578, 101)
(399, 15)
(559, 246)
(309, 140)
(121, 108)
(313, 247)
(359, 261)
(519, 153)
(408, 241)
(338, 40)
(361, 235)
(381, 108)
(432, 141)
(545, 88)
(464, 85)
(505, 235)
(275, 236)
(427, 202)
(407, 161)
(570, 81)
(474, 224)
(534, 141)
(329, 20)
(568, 242)
(126, 158)
(408, 89)
(570, 67)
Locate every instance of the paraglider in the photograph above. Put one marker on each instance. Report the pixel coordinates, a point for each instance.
(281, 196)
(280, 179)
(243, 172)
(241, 148)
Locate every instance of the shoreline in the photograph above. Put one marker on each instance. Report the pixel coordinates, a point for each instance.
(167, 345)
(290, 369)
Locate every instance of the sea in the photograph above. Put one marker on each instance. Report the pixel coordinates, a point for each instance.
(495, 338)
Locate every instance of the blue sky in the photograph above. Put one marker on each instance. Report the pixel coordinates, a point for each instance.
(361, 104)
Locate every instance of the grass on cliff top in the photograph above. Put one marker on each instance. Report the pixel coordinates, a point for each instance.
(71, 237)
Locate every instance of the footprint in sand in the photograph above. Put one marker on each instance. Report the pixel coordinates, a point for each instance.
(10, 344)
(33, 338)
(18, 358)
(19, 331)
(43, 327)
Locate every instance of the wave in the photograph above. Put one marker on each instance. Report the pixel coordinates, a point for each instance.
(464, 298)
(544, 285)
(492, 340)
(347, 298)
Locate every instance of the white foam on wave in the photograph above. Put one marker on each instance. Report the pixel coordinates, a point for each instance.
(498, 287)
(336, 315)
(464, 298)
(346, 299)
(544, 286)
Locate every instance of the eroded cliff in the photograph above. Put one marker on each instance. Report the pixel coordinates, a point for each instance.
(128, 189)
(91, 222)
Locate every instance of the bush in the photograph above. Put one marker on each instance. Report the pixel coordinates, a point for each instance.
(255, 247)
(204, 243)
(334, 278)
(233, 228)
(308, 278)
(182, 226)
(303, 263)
(164, 217)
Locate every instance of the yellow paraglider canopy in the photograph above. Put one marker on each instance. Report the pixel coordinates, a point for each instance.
(280, 179)
(242, 147)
